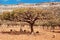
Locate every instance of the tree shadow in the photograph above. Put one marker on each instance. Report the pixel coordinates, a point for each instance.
(16, 32)
(11, 32)
(56, 31)
(20, 33)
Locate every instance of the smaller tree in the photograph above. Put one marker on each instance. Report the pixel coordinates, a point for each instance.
(45, 25)
(6, 15)
(52, 24)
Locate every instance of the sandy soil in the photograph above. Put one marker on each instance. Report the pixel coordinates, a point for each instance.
(43, 35)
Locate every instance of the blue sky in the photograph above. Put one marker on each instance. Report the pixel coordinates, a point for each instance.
(25, 1)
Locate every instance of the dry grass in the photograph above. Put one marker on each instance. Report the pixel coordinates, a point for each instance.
(43, 34)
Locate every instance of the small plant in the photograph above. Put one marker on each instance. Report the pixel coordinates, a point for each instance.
(24, 30)
(11, 30)
(37, 31)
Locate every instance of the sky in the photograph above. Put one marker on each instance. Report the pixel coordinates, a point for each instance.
(25, 1)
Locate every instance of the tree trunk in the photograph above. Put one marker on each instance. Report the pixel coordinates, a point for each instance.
(53, 28)
(31, 28)
(47, 27)
(43, 27)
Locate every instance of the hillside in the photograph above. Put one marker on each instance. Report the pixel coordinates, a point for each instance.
(25, 5)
